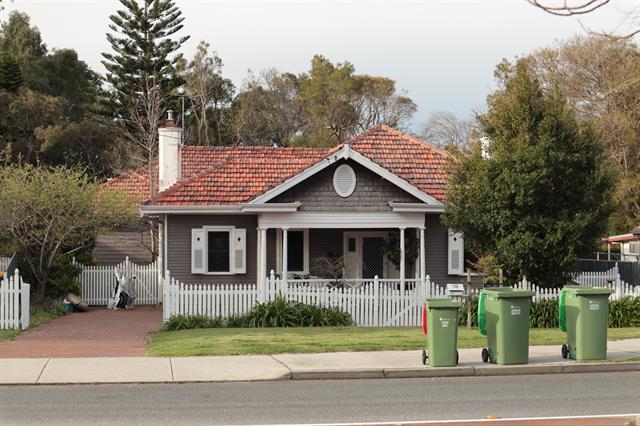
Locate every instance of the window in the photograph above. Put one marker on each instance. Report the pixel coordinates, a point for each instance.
(218, 250)
(295, 250)
(352, 245)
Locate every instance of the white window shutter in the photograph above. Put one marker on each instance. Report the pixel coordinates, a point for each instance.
(456, 253)
(198, 251)
(239, 247)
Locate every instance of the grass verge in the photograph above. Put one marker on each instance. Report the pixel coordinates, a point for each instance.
(36, 318)
(247, 341)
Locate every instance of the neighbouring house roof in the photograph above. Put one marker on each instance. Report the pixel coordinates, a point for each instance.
(621, 238)
(233, 175)
(634, 234)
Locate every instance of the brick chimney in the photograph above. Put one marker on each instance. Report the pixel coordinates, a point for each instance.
(170, 140)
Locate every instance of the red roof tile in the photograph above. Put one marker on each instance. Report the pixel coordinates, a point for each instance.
(231, 175)
(414, 160)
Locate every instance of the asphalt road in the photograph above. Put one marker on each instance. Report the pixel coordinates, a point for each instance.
(323, 401)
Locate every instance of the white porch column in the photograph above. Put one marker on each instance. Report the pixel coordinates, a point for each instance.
(402, 271)
(423, 257)
(263, 261)
(285, 255)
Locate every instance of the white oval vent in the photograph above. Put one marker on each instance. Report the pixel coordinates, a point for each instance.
(344, 180)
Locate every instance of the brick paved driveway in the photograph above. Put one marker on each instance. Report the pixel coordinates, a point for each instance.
(96, 333)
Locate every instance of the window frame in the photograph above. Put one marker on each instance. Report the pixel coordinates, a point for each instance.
(305, 255)
(229, 230)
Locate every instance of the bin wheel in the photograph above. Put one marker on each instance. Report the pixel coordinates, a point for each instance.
(485, 355)
(424, 357)
(565, 351)
(457, 357)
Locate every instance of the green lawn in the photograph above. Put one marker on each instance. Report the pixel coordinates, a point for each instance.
(37, 317)
(245, 341)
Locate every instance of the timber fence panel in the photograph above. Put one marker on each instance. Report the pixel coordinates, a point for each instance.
(14, 303)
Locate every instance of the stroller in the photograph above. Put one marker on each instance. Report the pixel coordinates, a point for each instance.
(124, 294)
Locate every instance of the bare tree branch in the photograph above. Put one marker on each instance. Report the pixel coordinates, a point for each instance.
(584, 7)
(566, 9)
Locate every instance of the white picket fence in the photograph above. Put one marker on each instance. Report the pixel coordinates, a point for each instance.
(97, 282)
(619, 287)
(14, 303)
(375, 302)
(598, 278)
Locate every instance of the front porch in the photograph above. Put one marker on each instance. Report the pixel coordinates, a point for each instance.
(341, 249)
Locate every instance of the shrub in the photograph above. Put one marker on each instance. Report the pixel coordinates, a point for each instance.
(624, 312)
(473, 300)
(282, 313)
(235, 321)
(544, 314)
(277, 313)
(187, 322)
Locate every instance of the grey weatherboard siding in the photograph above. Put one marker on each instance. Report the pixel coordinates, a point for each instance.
(179, 247)
(321, 242)
(372, 192)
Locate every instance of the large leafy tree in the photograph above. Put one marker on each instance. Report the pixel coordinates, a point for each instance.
(378, 102)
(326, 94)
(209, 95)
(22, 41)
(87, 144)
(144, 45)
(62, 74)
(10, 75)
(267, 110)
(542, 197)
(600, 77)
(56, 212)
(27, 113)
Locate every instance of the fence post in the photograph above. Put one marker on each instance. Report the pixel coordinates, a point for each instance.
(376, 301)
(618, 293)
(167, 296)
(24, 309)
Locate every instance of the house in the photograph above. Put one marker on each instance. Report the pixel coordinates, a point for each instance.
(369, 207)
(629, 245)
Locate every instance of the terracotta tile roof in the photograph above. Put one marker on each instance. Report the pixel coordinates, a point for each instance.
(419, 163)
(196, 159)
(230, 175)
(244, 174)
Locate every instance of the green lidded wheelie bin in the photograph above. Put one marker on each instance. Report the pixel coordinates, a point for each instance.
(583, 312)
(440, 324)
(503, 316)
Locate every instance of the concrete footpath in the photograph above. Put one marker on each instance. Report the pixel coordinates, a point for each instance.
(337, 365)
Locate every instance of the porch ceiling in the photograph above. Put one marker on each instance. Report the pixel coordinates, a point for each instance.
(338, 220)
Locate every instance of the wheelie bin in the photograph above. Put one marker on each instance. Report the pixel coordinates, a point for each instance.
(440, 324)
(503, 316)
(583, 312)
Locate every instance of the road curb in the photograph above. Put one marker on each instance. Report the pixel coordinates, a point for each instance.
(397, 373)
(466, 371)
(338, 374)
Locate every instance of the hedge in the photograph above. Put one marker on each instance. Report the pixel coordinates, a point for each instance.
(544, 313)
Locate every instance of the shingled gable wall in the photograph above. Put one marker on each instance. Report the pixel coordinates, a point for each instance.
(372, 192)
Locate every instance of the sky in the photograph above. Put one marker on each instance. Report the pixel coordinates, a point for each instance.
(442, 53)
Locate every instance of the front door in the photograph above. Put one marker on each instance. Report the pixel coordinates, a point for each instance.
(363, 255)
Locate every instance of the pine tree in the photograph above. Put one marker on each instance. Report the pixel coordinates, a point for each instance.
(10, 75)
(144, 51)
